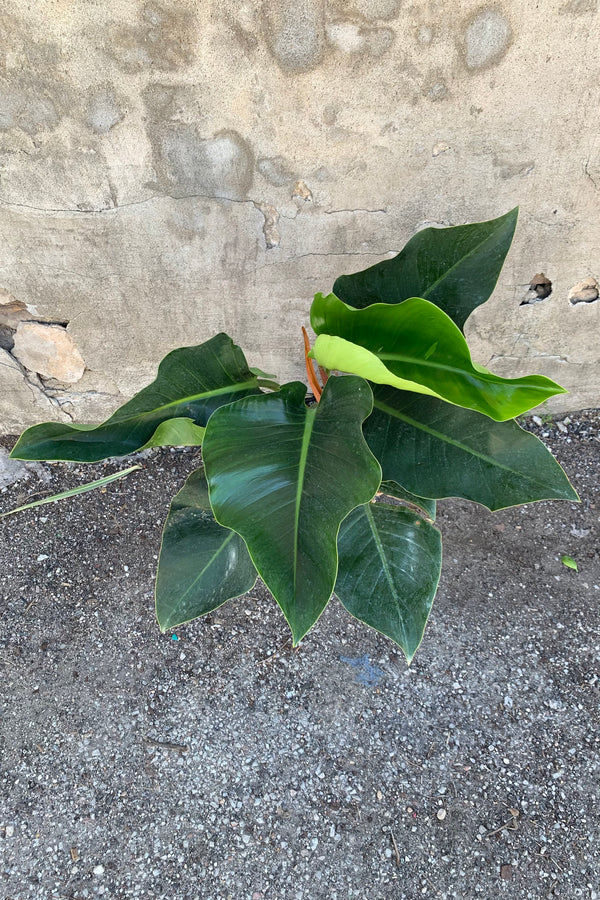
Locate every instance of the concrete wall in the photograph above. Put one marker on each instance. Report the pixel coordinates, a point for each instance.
(171, 169)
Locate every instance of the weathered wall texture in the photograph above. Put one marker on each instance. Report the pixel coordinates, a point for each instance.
(170, 169)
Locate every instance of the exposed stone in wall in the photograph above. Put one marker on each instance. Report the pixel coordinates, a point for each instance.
(48, 350)
(270, 229)
(585, 291)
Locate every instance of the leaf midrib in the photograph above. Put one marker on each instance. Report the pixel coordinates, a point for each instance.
(486, 377)
(217, 392)
(207, 566)
(452, 441)
(380, 551)
(477, 247)
(308, 428)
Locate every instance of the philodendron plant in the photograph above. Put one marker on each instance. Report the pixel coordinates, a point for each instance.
(336, 491)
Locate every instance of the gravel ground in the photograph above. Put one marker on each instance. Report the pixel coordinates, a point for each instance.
(220, 763)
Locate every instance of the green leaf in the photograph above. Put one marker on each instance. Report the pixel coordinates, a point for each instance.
(393, 489)
(455, 268)
(81, 489)
(415, 346)
(201, 564)
(284, 476)
(390, 563)
(191, 383)
(569, 562)
(438, 450)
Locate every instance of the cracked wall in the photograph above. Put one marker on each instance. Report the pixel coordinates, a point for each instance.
(168, 170)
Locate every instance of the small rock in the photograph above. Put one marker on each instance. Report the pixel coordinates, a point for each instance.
(441, 814)
(42, 557)
(506, 872)
(9, 830)
(301, 191)
(585, 291)
(440, 147)
(270, 229)
(98, 870)
(48, 350)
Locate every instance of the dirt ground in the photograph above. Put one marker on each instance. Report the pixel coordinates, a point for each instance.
(219, 763)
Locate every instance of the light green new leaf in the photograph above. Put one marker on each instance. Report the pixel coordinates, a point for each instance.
(201, 564)
(415, 346)
(569, 562)
(455, 268)
(390, 560)
(441, 451)
(283, 476)
(176, 433)
(191, 383)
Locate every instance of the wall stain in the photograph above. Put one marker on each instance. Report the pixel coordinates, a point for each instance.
(104, 109)
(32, 104)
(188, 164)
(513, 169)
(295, 32)
(276, 170)
(579, 7)
(486, 38)
(371, 10)
(350, 38)
(162, 40)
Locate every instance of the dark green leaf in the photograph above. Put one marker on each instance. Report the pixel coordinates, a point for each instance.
(191, 383)
(390, 562)
(284, 476)
(415, 346)
(201, 564)
(455, 268)
(442, 451)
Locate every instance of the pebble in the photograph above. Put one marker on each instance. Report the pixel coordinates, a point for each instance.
(98, 870)
(441, 814)
(9, 830)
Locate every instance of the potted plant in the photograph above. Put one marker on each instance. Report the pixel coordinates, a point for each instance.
(336, 491)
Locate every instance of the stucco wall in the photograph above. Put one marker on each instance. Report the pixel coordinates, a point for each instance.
(172, 169)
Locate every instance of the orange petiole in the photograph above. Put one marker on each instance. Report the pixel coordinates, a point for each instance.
(310, 372)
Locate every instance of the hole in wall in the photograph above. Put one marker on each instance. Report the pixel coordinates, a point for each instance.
(585, 291)
(7, 338)
(540, 288)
